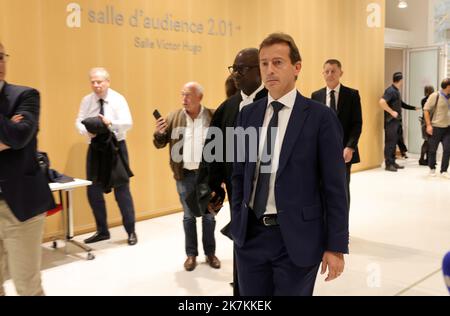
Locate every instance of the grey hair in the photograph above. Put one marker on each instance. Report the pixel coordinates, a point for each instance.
(101, 71)
(198, 87)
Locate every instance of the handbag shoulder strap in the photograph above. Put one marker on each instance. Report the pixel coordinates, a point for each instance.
(435, 105)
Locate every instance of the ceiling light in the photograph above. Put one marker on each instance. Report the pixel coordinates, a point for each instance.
(402, 4)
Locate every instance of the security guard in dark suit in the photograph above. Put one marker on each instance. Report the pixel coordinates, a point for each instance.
(347, 105)
(392, 104)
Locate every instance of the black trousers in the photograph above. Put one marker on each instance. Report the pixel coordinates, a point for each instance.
(440, 135)
(227, 233)
(424, 151)
(391, 136)
(401, 141)
(265, 268)
(123, 198)
(348, 175)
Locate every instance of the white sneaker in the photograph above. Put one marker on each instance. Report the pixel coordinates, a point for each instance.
(432, 173)
(445, 175)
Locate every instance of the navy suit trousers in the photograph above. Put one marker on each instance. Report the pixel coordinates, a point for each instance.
(264, 266)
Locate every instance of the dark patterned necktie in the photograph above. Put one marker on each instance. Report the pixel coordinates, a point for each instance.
(265, 166)
(333, 100)
(102, 109)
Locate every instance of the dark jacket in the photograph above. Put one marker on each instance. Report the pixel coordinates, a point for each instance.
(349, 114)
(24, 187)
(107, 163)
(215, 173)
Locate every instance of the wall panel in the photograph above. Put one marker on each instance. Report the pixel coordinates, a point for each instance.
(47, 54)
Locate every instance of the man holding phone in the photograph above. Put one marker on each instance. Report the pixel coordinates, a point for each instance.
(189, 125)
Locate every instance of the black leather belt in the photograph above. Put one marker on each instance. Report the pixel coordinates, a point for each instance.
(269, 220)
(265, 220)
(186, 171)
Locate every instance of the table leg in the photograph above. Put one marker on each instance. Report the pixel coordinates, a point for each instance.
(69, 225)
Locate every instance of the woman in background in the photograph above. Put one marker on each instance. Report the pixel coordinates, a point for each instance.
(423, 161)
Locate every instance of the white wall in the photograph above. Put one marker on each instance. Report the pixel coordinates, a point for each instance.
(394, 38)
(415, 19)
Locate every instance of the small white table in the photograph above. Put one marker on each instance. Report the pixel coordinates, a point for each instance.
(67, 188)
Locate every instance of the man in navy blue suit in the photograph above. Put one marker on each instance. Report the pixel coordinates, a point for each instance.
(289, 197)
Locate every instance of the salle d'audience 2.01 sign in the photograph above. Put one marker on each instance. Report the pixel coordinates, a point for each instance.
(165, 23)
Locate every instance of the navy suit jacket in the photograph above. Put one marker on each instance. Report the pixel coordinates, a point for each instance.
(24, 186)
(310, 185)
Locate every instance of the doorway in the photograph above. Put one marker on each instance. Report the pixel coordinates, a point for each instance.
(423, 65)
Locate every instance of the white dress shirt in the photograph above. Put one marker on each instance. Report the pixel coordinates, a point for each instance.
(249, 99)
(115, 108)
(336, 95)
(288, 100)
(193, 140)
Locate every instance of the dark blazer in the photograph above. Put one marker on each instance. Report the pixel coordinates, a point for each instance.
(224, 117)
(349, 114)
(212, 174)
(23, 185)
(310, 185)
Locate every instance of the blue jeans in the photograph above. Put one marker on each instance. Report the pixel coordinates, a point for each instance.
(184, 187)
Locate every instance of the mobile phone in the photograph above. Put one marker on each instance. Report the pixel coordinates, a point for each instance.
(156, 114)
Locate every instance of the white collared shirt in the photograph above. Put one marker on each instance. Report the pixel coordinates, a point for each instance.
(249, 99)
(194, 139)
(336, 95)
(116, 110)
(288, 100)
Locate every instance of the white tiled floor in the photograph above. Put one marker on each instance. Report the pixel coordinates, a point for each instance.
(399, 227)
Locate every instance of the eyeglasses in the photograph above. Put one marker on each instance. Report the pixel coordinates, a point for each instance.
(3, 58)
(242, 70)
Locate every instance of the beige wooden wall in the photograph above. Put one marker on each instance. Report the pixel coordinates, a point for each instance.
(47, 54)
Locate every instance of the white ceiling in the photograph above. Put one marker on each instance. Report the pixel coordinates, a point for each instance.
(415, 18)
